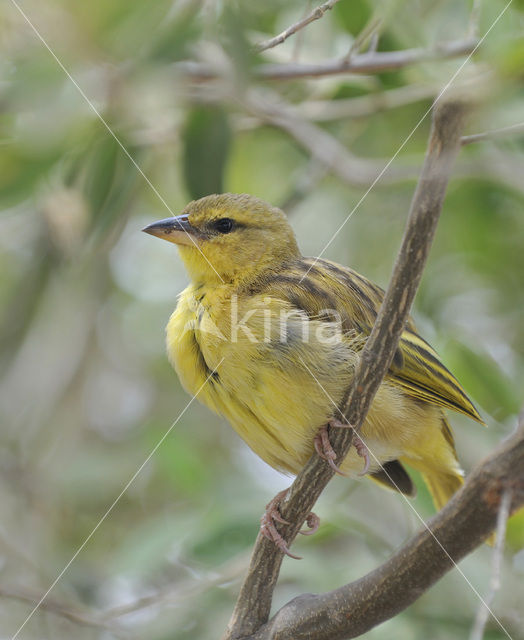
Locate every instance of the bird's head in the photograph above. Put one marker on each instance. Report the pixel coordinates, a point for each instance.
(229, 237)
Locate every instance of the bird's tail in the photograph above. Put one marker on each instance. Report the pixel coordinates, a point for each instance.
(442, 484)
(440, 468)
(442, 473)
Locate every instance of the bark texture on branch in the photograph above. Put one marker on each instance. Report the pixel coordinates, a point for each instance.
(254, 601)
(462, 525)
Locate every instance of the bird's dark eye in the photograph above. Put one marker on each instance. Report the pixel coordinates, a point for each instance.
(224, 225)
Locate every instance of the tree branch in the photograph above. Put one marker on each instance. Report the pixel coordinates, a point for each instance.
(462, 525)
(368, 32)
(364, 63)
(254, 602)
(363, 106)
(504, 132)
(316, 14)
(323, 146)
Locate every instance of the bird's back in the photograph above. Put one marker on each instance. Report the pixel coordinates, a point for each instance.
(324, 289)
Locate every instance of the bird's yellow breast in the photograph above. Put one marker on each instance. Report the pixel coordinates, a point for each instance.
(251, 337)
(274, 374)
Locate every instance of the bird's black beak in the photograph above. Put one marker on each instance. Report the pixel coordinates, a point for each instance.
(177, 230)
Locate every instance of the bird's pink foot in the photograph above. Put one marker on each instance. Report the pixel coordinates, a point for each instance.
(326, 452)
(323, 445)
(272, 515)
(362, 451)
(313, 522)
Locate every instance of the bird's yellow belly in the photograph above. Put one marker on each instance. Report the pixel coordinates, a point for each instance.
(277, 395)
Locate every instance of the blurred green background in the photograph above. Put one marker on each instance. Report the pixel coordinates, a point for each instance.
(86, 389)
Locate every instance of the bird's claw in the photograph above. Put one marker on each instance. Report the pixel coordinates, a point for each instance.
(326, 452)
(362, 451)
(323, 446)
(272, 514)
(313, 522)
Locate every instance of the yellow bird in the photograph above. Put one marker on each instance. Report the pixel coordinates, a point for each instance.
(270, 339)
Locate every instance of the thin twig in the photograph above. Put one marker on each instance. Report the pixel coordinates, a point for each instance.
(316, 14)
(254, 602)
(299, 40)
(306, 182)
(363, 63)
(474, 19)
(73, 614)
(373, 42)
(363, 106)
(482, 616)
(370, 30)
(322, 146)
(189, 589)
(505, 167)
(504, 132)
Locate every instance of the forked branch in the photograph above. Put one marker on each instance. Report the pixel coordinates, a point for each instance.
(363, 63)
(254, 602)
(316, 14)
(496, 487)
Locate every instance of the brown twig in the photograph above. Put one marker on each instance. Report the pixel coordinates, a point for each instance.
(364, 63)
(316, 14)
(504, 132)
(254, 602)
(460, 527)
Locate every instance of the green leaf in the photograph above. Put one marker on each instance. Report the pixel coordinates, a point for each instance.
(206, 140)
(515, 530)
(222, 540)
(235, 42)
(101, 173)
(176, 36)
(108, 179)
(483, 379)
(353, 16)
(21, 170)
(179, 461)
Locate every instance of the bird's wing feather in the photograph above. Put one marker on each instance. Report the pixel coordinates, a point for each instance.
(319, 285)
(422, 375)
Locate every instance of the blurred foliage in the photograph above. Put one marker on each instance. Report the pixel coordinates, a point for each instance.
(86, 391)
(206, 139)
